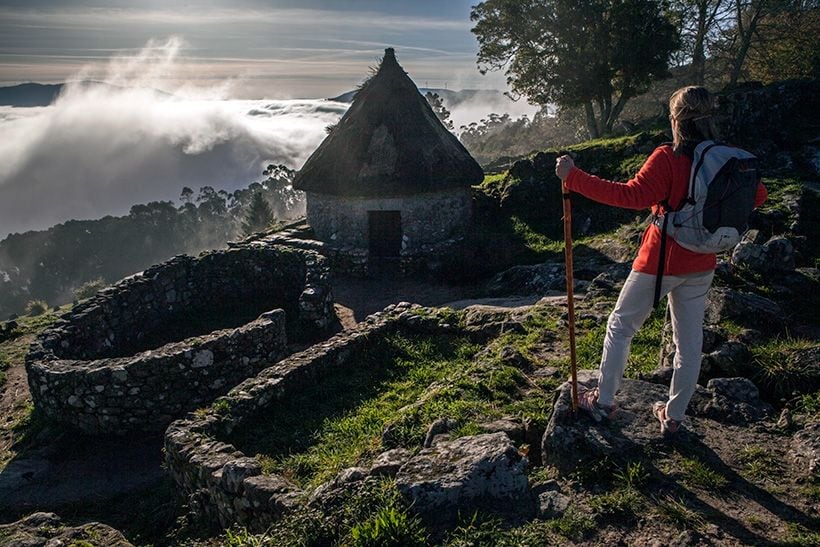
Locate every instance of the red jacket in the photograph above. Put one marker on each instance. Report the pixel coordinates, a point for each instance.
(664, 177)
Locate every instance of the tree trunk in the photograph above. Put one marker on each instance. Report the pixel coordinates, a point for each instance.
(699, 53)
(592, 124)
(745, 35)
(616, 111)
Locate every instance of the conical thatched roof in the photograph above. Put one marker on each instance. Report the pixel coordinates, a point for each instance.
(389, 142)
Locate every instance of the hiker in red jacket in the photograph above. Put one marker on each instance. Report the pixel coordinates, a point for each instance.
(686, 276)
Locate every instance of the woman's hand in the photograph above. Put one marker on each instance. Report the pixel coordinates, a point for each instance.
(563, 165)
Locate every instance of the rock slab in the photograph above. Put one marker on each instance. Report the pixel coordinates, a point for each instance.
(481, 472)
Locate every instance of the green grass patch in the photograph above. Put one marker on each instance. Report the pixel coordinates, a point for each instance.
(402, 383)
(367, 514)
(696, 473)
(759, 464)
(573, 525)
(676, 511)
(799, 536)
(13, 350)
(621, 504)
(780, 375)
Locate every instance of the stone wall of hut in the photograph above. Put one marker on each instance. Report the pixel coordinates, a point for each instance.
(427, 219)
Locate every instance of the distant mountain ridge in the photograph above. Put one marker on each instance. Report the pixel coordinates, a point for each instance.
(34, 94)
(451, 98)
(30, 94)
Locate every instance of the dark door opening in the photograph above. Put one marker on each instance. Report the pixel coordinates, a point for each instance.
(385, 233)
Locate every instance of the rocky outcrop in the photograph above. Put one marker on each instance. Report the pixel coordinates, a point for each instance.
(466, 474)
(776, 255)
(48, 530)
(571, 440)
(772, 121)
(805, 451)
(746, 308)
(730, 400)
(109, 367)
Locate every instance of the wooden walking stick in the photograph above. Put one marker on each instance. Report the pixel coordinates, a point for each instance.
(570, 296)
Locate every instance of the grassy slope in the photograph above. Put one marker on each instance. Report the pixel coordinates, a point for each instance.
(451, 377)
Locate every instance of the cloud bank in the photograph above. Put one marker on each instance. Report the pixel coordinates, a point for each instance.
(100, 149)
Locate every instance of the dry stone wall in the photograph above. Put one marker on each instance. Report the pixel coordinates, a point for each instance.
(174, 337)
(226, 485)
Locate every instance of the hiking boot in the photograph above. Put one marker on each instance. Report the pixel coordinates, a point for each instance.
(588, 400)
(669, 427)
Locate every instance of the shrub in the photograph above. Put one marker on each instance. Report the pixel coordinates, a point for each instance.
(36, 307)
(89, 288)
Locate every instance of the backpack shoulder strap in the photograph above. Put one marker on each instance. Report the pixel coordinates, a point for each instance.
(697, 163)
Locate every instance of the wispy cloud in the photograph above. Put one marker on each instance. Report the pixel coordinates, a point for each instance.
(302, 46)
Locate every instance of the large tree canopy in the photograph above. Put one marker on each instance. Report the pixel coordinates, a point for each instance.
(595, 54)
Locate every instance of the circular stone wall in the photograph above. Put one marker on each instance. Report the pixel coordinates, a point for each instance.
(174, 337)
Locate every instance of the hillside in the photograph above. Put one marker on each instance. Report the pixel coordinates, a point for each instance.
(450, 425)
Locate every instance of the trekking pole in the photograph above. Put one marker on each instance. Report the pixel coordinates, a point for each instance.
(662, 352)
(570, 297)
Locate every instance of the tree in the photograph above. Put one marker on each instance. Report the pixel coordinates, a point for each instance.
(259, 215)
(441, 112)
(594, 54)
(770, 40)
(700, 23)
(186, 195)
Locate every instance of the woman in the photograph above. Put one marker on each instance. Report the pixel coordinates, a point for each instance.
(686, 275)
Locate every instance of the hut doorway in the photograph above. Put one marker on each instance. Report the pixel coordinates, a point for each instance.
(385, 233)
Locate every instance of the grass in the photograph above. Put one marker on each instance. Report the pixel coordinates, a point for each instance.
(633, 475)
(676, 511)
(698, 474)
(622, 504)
(339, 421)
(573, 524)
(759, 463)
(13, 350)
(780, 375)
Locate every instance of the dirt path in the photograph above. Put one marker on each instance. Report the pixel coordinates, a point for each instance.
(357, 298)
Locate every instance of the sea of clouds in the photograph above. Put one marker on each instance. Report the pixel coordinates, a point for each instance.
(99, 149)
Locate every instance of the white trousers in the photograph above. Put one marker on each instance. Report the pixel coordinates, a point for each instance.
(687, 300)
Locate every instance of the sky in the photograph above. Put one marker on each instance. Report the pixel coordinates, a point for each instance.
(266, 49)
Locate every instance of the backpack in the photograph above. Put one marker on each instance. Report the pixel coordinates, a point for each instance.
(722, 188)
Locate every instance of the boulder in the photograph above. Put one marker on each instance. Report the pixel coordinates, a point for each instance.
(775, 256)
(526, 280)
(387, 464)
(745, 308)
(481, 472)
(442, 426)
(730, 400)
(731, 358)
(511, 426)
(750, 256)
(47, 530)
(804, 451)
(779, 254)
(573, 440)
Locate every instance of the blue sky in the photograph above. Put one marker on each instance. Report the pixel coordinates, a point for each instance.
(276, 49)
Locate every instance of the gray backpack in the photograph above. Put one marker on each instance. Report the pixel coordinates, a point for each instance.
(722, 188)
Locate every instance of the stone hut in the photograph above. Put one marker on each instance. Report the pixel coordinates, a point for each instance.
(389, 181)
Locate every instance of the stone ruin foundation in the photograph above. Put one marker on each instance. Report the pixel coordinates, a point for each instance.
(172, 338)
(228, 486)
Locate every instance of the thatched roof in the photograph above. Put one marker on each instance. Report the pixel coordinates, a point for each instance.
(389, 143)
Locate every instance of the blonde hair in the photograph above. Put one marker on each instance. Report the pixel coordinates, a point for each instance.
(692, 109)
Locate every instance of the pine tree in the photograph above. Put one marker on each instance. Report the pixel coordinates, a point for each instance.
(259, 215)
